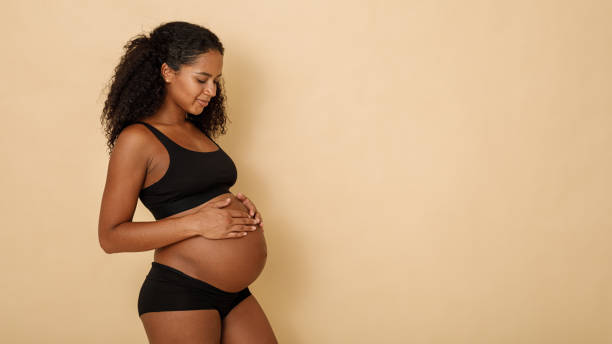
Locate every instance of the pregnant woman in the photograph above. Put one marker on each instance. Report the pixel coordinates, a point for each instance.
(165, 102)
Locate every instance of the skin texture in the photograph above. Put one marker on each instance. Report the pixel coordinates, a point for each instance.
(230, 264)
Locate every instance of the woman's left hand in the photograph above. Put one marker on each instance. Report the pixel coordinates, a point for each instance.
(251, 207)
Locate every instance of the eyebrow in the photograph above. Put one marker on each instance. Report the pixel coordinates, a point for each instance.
(204, 73)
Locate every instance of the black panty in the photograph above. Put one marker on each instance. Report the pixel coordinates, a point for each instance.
(168, 289)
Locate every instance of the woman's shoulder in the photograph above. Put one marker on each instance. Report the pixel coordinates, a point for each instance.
(137, 131)
(135, 138)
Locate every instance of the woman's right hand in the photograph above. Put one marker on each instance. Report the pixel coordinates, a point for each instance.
(213, 222)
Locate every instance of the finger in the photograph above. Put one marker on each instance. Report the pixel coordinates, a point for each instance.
(249, 206)
(246, 202)
(258, 217)
(236, 234)
(222, 203)
(252, 210)
(238, 213)
(243, 228)
(244, 221)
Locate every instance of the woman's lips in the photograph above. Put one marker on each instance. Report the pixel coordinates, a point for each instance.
(202, 102)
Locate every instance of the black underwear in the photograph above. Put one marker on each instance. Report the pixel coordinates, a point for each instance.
(168, 289)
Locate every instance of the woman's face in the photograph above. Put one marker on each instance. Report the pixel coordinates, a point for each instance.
(193, 86)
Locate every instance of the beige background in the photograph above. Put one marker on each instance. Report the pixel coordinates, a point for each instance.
(428, 171)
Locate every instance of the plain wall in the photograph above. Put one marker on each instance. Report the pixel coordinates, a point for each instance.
(427, 171)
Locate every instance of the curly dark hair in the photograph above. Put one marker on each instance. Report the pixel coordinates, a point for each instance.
(137, 88)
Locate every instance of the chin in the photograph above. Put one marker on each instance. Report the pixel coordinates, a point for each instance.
(195, 113)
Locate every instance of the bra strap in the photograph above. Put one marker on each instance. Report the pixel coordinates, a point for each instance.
(163, 138)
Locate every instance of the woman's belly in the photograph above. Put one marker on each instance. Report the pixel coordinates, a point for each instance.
(228, 264)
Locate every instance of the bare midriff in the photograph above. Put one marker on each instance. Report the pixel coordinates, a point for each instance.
(228, 264)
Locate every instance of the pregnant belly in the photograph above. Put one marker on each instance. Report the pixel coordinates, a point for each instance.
(228, 264)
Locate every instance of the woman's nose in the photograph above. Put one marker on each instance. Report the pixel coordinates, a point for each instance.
(209, 91)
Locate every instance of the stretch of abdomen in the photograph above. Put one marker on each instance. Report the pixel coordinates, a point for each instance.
(228, 264)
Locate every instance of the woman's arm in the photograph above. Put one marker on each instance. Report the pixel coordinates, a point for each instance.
(127, 169)
(143, 236)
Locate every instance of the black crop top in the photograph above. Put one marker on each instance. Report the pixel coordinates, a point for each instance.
(192, 178)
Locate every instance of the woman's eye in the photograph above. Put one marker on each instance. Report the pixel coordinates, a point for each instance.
(204, 81)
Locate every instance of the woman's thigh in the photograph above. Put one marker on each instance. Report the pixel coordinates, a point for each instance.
(192, 326)
(247, 323)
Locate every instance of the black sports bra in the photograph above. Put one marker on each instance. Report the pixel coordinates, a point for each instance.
(192, 178)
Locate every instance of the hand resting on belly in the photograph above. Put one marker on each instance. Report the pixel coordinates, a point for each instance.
(220, 218)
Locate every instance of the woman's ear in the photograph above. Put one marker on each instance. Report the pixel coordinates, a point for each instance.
(167, 72)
